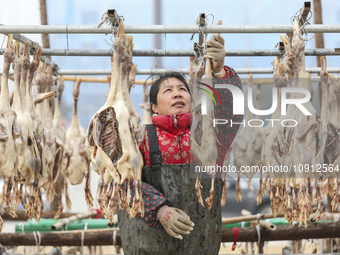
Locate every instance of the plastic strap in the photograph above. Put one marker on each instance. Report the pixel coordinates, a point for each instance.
(82, 238)
(67, 222)
(37, 238)
(258, 229)
(114, 237)
(155, 154)
(336, 219)
(3, 248)
(21, 226)
(236, 232)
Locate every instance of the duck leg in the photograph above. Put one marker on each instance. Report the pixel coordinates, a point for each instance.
(198, 187)
(210, 199)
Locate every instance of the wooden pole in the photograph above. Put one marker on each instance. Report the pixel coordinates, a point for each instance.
(43, 19)
(319, 43)
(105, 237)
(315, 231)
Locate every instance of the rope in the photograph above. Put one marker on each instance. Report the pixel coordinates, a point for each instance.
(165, 44)
(2, 248)
(21, 226)
(336, 219)
(236, 232)
(258, 217)
(156, 67)
(82, 238)
(3, 42)
(37, 238)
(67, 222)
(114, 237)
(67, 49)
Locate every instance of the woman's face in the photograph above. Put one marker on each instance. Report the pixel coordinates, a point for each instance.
(172, 98)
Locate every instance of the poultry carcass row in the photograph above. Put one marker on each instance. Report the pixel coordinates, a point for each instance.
(76, 158)
(8, 129)
(299, 145)
(114, 130)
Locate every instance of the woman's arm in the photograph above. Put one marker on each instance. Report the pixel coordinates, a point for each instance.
(153, 201)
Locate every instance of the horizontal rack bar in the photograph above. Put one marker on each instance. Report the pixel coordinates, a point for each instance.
(185, 71)
(106, 236)
(162, 71)
(160, 29)
(255, 81)
(180, 53)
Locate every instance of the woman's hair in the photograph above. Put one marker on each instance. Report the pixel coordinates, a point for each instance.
(155, 86)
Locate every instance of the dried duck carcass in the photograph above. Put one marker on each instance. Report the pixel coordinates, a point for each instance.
(332, 150)
(37, 173)
(76, 157)
(60, 178)
(21, 143)
(114, 129)
(276, 146)
(196, 72)
(248, 145)
(8, 130)
(203, 142)
(44, 82)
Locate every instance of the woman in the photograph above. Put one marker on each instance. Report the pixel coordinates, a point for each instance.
(174, 221)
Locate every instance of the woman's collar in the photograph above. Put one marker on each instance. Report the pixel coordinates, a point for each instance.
(174, 124)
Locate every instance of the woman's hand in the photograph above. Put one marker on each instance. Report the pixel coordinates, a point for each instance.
(216, 52)
(175, 221)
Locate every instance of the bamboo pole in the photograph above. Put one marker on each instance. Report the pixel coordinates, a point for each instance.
(261, 222)
(265, 216)
(79, 216)
(106, 236)
(248, 218)
(46, 214)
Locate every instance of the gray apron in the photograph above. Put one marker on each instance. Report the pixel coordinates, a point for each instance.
(175, 182)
